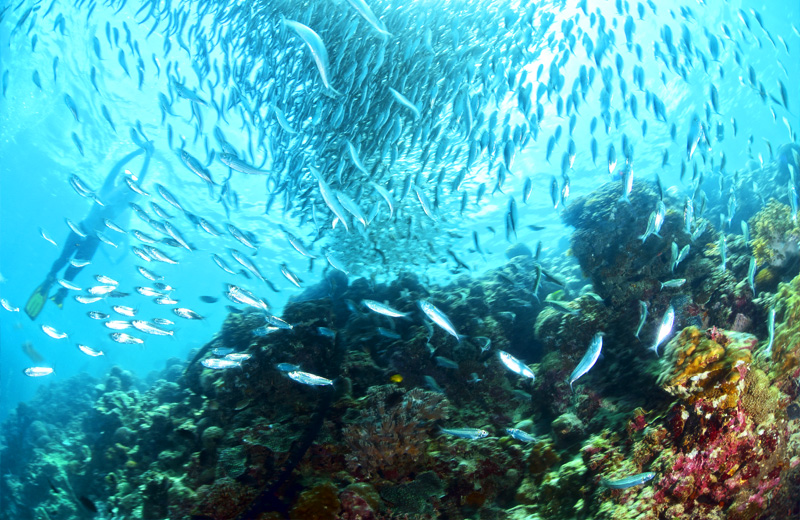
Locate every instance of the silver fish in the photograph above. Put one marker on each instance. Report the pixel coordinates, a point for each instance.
(125, 311)
(665, 329)
(309, 379)
(642, 317)
(80, 298)
(7, 306)
(89, 351)
(438, 317)
(381, 308)
(233, 162)
(37, 371)
(66, 284)
(515, 365)
(405, 102)
(466, 433)
(317, 48)
(771, 329)
(125, 338)
(150, 328)
(673, 284)
(751, 275)
(588, 360)
(53, 333)
(364, 10)
(220, 364)
(520, 435)
(150, 275)
(117, 324)
(626, 482)
(189, 314)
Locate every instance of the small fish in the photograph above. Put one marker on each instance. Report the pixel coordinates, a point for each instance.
(221, 351)
(37, 371)
(148, 291)
(7, 306)
(53, 333)
(150, 275)
(125, 311)
(673, 284)
(165, 300)
(117, 324)
(125, 338)
(317, 48)
(286, 272)
(97, 315)
(89, 351)
(745, 232)
(287, 367)
(110, 225)
(163, 321)
(80, 298)
(439, 318)
(44, 236)
(562, 306)
(665, 329)
(220, 364)
(771, 329)
(444, 362)
(209, 299)
(515, 365)
(390, 334)
(76, 228)
(101, 290)
(751, 275)
(328, 333)
(79, 263)
(626, 482)
(381, 308)
(405, 102)
(520, 435)
(723, 251)
(642, 317)
(309, 379)
(233, 162)
(588, 360)
(466, 433)
(189, 314)
(238, 356)
(150, 328)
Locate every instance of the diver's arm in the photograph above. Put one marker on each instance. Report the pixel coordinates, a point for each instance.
(112, 175)
(148, 148)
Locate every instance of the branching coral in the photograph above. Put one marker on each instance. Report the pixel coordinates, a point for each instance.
(390, 434)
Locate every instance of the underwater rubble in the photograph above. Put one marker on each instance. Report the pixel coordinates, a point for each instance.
(704, 426)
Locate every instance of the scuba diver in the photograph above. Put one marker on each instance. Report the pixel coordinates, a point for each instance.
(112, 199)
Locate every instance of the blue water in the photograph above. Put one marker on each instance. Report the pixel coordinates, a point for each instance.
(38, 155)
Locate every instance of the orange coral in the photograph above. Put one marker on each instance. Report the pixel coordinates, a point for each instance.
(707, 365)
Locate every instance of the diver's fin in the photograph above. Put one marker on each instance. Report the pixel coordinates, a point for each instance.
(37, 300)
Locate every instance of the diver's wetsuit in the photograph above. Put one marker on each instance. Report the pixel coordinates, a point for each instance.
(115, 196)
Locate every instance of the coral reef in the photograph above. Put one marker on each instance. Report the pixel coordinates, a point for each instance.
(714, 419)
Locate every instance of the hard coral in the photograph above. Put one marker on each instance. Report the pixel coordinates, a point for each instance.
(707, 366)
(775, 234)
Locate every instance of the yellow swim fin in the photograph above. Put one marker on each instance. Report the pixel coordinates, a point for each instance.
(37, 300)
